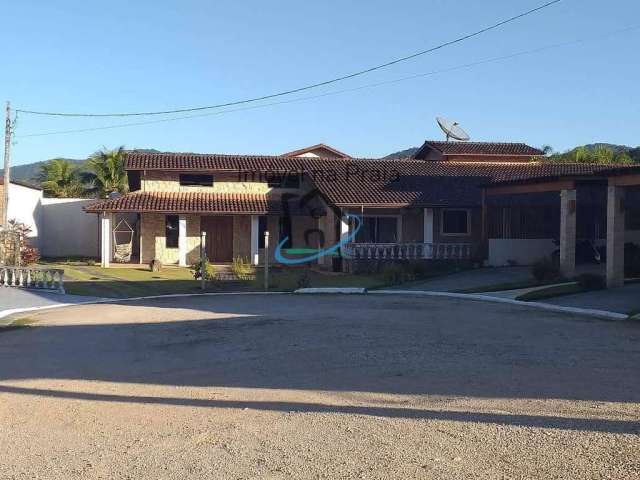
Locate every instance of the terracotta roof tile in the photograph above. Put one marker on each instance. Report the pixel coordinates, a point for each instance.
(482, 148)
(191, 202)
(362, 181)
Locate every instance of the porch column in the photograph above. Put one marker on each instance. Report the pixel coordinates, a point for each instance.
(568, 232)
(255, 241)
(182, 240)
(105, 240)
(344, 226)
(615, 236)
(427, 232)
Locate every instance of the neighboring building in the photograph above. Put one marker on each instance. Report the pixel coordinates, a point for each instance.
(25, 206)
(51, 220)
(320, 151)
(452, 200)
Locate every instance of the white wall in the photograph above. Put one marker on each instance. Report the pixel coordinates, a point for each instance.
(67, 230)
(522, 251)
(25, 207)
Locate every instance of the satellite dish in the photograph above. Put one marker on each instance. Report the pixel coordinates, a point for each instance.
(452, 129)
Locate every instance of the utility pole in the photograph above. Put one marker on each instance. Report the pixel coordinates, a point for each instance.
(7, 167)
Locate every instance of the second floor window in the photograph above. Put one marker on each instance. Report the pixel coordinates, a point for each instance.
(196, 180)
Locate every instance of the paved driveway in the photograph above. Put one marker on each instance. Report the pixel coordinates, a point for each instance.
(622, 300)
(318, 387)
(482, 277)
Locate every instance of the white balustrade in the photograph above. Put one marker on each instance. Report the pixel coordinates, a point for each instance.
(408, 251)
(32, 277)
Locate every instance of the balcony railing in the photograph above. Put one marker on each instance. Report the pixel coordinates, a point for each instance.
(408, 251)
(51, 279)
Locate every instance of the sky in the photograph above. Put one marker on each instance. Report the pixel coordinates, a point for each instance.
(124, 56)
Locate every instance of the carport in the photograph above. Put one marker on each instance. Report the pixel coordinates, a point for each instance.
(533, 218)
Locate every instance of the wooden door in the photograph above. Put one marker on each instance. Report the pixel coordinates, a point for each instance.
(219, 238)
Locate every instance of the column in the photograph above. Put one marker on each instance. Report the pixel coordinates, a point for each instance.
(568, 232)
(427, 235)
(255, 241)
(182, 240)
(344, 226)
(105, 239)
(615, 236)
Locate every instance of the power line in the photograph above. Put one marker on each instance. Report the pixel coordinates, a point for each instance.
(348, 90)
(307, 87)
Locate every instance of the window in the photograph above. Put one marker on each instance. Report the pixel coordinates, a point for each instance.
(285, 231)
(378, 230)
(285, 180)
(455, 222)
(195, 180)
(171, 231)
(262, 227)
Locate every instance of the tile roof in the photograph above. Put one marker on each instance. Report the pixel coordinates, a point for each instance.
(192, 202)
(361, 181)
(323, 146)
(481, 148)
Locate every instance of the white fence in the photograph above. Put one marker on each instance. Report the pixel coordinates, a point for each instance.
(27, 277)
(408, 251)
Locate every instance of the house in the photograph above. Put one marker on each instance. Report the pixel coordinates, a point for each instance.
(487, 202)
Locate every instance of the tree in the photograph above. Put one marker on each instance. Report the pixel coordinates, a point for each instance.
(60, 178)
(108, 174)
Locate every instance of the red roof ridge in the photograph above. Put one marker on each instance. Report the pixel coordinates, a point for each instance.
(300, 151)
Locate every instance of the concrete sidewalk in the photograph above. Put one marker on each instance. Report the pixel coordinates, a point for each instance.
(18, 298)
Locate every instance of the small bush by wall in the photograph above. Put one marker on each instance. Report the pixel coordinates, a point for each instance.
(546, 270)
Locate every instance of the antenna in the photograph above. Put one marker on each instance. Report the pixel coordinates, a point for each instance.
(452, 129)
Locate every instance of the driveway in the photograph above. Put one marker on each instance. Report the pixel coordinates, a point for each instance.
(622, 300)
(481, 277)
(286, 386)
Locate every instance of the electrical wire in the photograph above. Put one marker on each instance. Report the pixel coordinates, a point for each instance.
(307, 87)
(339, 92)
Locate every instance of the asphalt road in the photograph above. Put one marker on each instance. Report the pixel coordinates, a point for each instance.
(318, 387)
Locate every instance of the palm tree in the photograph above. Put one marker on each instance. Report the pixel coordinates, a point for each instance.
(60, 178)
(107, 172)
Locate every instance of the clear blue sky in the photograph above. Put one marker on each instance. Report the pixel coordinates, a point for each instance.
(148, 55)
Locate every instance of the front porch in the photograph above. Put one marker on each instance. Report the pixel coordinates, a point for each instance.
(177, 239)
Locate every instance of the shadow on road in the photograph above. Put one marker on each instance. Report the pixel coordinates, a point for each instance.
(421, 346)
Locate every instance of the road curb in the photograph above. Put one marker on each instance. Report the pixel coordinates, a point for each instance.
(593, 313)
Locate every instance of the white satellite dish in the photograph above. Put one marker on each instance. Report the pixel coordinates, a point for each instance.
(452, 129)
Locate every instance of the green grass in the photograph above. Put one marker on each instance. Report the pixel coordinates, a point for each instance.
(139, 281)
(551, 292)
(498, 287)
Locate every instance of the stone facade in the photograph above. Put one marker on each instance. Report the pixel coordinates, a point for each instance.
(153, 239)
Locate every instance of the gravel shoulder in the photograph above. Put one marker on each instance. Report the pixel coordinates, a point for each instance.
(318, 387)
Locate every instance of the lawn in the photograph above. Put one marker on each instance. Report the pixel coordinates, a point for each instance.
(121, 282)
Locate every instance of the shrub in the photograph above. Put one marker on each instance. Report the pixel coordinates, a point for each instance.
(29, 255)
(591, 281)
(304, 280)
(205, 268)
(242, 268)
(545, 270)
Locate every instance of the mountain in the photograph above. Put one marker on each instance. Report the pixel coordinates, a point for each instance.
(402, 153)
(29, 172)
